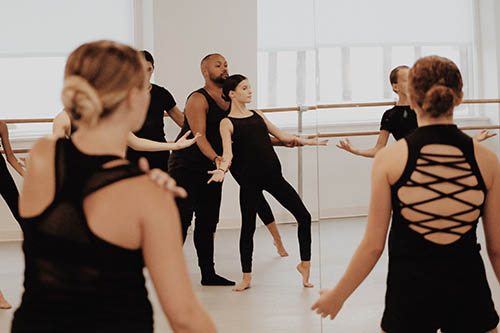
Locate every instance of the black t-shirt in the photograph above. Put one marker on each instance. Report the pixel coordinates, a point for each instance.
(153, 127)
(399, 121)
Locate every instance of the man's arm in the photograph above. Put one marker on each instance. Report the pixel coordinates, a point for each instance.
(196, 116)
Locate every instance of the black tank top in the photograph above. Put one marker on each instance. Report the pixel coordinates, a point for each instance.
(75, 281)
(253, 153)
(407, 237)
(191, 157)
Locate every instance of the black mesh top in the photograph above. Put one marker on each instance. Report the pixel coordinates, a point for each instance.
(441, 191)
(74, 280)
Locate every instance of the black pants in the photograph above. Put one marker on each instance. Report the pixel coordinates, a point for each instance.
(8, 190)
(286, 195)
(263, 209)
(204, 201)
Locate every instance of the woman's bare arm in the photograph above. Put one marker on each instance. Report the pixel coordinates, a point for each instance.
(162, 250)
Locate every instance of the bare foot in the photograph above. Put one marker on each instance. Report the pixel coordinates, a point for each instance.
(281, 249)
(4, 305)
(244, 284)
(304, 269)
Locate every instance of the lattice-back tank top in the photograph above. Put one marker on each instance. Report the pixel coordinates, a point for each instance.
(439, 197)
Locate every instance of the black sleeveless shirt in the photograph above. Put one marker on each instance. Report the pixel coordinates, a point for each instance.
(75, 281)
(191, 157)
(404, 241)
(254, 157)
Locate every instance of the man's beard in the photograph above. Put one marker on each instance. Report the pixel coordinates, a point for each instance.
(219, 80)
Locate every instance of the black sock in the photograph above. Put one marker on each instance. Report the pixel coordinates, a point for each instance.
(215, 280)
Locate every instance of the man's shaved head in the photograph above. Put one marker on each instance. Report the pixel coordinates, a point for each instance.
(206, 58)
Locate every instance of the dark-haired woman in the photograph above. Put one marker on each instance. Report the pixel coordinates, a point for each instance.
(245, 139)
(438, 182)
(8, 188)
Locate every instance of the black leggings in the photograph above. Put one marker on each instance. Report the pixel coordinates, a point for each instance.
(204, 201)
(286, 195)
(263, 209)
(8, 190)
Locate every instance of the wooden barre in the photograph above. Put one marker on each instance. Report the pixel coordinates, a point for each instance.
(286, 109)
(330, 135)
(344, 134)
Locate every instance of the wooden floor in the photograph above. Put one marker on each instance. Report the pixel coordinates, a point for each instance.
(276, 302)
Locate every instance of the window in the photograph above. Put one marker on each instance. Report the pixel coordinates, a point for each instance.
(357, 43)
(33, 53)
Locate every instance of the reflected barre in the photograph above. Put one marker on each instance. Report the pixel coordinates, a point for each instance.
(367, 104)
(345, 134)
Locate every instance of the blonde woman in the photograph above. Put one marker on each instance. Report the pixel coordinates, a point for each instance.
(93, 220)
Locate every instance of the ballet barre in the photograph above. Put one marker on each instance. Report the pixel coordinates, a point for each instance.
(300, 111)
(345, 134)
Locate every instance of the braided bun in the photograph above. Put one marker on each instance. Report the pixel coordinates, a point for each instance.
(435, 85)
(81, 100)
(438, 100)
(98, 77)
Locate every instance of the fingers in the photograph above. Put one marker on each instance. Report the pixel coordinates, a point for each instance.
(179, 192)
(162, 179)
(143, 164)
(315, 306)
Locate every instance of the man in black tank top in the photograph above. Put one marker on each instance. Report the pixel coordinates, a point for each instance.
(204, 110)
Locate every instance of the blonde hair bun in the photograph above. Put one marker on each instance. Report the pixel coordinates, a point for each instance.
(81, 100)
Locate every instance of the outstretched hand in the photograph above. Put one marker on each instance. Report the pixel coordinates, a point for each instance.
(162, 179)
(483, 135)
(313, 141)
(346, 145)
(184, 142)
(327, 304)
(217, 176)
